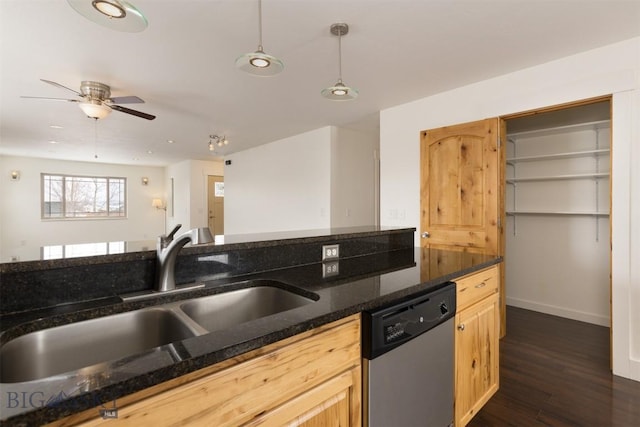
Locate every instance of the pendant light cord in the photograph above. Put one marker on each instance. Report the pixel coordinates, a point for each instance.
(340, 56)
(260, 25)
(95, 138)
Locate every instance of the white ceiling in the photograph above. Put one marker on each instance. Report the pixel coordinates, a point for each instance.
(182, 65)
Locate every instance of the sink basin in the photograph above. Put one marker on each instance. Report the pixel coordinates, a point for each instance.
(221, 311)
(70, 347)
(79, 345)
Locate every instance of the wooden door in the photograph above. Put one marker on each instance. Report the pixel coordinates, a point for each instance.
(215, 204)
(477, 358)
(460, 197)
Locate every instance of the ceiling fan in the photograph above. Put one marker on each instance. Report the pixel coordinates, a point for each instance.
(96, 102)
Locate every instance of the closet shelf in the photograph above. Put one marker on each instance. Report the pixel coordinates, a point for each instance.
(569, 155)
(600, 124)
(559, 177)
(557, 213)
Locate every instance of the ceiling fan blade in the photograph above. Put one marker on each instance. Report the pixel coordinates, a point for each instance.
(61, 86)
(132, 112)
(50, 99)
(126, 100)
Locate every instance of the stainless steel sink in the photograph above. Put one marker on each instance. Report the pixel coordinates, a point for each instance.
(70, 347)
(221, 311)
(79, 345)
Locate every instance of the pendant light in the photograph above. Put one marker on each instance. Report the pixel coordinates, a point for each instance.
(259, 63)
(118, 15)
(339, 91)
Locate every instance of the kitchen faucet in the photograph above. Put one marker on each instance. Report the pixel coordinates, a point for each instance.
(168, 248)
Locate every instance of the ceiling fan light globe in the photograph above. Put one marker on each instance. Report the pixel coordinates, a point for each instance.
(95, 109)
(109, 8)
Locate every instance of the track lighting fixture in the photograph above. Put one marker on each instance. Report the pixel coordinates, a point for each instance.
(217, 140)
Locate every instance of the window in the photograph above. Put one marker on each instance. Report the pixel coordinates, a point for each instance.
(82, 250)
(67, 197)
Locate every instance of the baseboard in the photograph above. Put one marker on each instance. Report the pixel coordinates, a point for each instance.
(560, 311)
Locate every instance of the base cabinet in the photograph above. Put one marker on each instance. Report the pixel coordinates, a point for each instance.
(312, 379)
(476, 343)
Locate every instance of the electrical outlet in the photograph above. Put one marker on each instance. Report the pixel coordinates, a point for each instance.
(330, 252)
(331, 268)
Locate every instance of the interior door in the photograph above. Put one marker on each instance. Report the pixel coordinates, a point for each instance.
(215, 202)
(462, 193)
(460, 200)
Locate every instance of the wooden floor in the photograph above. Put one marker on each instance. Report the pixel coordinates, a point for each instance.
(555, 372)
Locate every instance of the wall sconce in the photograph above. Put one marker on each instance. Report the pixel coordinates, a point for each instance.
(145, 180)
(15, 175)
(158, 204)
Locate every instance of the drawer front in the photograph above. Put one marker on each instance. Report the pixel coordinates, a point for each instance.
(474, 287)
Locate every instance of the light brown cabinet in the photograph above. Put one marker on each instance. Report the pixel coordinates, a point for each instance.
(476, 343)
(311, 379)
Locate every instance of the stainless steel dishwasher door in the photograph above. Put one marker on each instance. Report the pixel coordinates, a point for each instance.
(412, 385)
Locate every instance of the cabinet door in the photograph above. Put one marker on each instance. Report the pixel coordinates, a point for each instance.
(460, 190)
(310, 379)
(333, 403)
(477, 358)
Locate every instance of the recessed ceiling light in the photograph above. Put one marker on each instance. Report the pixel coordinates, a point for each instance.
(51, 141)
(149, 152)
(56, 127)
(170, 141)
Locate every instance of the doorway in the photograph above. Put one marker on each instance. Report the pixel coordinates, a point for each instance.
(558, 205)
(215, 204)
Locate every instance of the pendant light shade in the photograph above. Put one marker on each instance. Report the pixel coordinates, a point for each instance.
(339, 91)
(259, 63)
(118, 15)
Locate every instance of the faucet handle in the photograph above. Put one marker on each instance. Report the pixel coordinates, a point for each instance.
(164, 240)
(173, 232)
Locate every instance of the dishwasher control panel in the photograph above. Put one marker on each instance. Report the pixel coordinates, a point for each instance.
(389, 327)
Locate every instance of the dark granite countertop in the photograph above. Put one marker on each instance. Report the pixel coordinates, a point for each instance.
(146, 249)
(363, 283)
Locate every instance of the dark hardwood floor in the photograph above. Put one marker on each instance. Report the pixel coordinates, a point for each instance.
(555, 372)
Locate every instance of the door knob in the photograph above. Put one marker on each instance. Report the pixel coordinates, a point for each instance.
(425, 235)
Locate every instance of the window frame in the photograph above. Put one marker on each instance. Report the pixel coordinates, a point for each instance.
(64, 216)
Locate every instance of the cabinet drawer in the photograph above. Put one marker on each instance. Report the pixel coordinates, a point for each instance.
(474, 287)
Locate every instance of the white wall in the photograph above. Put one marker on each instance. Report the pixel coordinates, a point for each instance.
(283, 185)
(353, 174)
(23, 232)
(318, 179)
(178, 195)
(613, 69)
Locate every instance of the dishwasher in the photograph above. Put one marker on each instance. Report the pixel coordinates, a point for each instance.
(408, 351)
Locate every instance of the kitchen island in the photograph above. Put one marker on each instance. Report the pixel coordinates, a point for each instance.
(376, 276)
